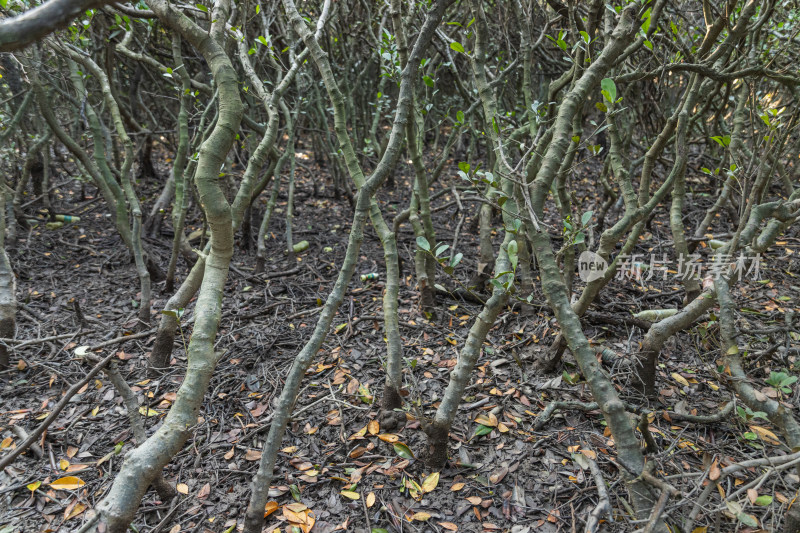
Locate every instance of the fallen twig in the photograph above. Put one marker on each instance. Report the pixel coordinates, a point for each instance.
(603, 507)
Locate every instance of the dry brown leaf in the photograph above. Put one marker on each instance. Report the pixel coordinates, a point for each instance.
(252, 455)
(457, 486)
(448, 526)
(373, 427)
(474, 500)
(370, 499)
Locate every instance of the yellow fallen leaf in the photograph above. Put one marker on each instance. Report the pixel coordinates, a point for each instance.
(77, 510)
(33, 486)
(370, 499)
(373, 427)
(270, 508)
(766, 434)
(6, 443)
(457, 486)
(389, 437)
(350, 494)
(680, 379)
(421, 516)
(63, 464)
(430, 482)
(146, 411)
(68, 483)
(449, 526)
(182, 488)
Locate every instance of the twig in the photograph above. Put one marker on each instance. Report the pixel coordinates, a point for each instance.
(123, 338)
(702, 419)
(8, 459)
(548, 412)
(603, 507)
(22, 434)
(775, 462)
(21, 343)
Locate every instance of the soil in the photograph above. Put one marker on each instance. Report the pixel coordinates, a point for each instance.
(502, 475)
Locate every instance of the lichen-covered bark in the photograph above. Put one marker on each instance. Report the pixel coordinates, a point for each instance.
(143, 464)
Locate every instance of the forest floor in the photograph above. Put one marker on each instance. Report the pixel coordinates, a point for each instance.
(338, 468)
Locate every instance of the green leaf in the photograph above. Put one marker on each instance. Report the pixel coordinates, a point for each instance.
(648, 44)
(747, 519)
(460, 116)
(423, 243)
(464, 166)
(428, 81)
(403, 451)
(262, 40)
(455, 45)
(201, 7)
(482, 430)
(764, 500)
(646, 19)
(609, 89)
(586, 217)
(258, 9)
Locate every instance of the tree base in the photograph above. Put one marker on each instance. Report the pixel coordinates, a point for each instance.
(436, 453)
(389, 417)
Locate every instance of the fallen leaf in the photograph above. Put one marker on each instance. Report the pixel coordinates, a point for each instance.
(680, 379)
(270, 508)
(370, 500)
(457, 486)
(373, 427)
(474, 500)
(350, 494)
(68, 483)
(448, 526)
(252, 455)
(75, 511)
(766, 434)
(204, 492)
(421, 516)
(430, 482)
(182, 488)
